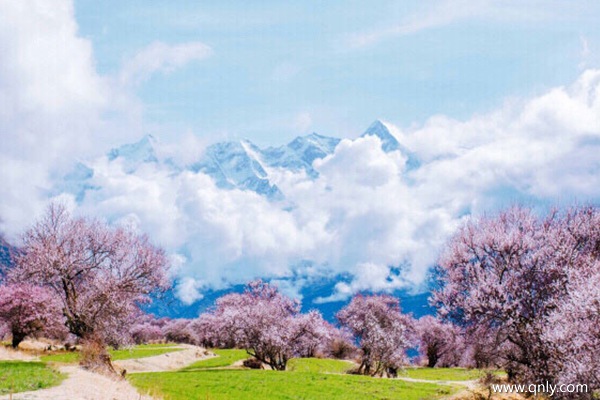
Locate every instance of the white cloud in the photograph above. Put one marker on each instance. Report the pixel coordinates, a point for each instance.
(161, 57)
(366, 216)
(442, 13)
(188, 290)
(51, 101)
(55, 107)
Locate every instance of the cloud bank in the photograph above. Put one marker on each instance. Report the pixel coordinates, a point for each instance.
(55, 107)
(369, 216)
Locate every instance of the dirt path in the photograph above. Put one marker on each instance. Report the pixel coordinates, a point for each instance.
(14, 355)
(165, 362)
(85, 385)
(469, 384)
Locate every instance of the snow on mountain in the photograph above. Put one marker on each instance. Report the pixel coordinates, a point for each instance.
(233, 164)
(76, 182)
(389, 142)
(135, 154)
(300, 153)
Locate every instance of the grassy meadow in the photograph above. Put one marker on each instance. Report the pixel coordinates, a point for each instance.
(266, 384)
(307, 378)
(22, 376)
(444, 374)
(139, 351)
(225, 358)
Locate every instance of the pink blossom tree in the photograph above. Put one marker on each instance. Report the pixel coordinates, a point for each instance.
(483, 347)
(265, 323)
(147, 329)
(101, 274)
(211, 331)
(29, 310)
(381, 330)
(180, 330)
(512, 274)
(312, 334)
(438, 342)
(341, 345)
(574, 325)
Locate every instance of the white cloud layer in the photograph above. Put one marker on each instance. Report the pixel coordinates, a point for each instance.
(441, 13)
(161, 57)
(367, 215)
(55, 107)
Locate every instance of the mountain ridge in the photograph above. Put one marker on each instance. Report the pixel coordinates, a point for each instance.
(236, 164)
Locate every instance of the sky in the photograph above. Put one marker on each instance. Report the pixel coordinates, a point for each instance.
(274, 70)
(499, 100)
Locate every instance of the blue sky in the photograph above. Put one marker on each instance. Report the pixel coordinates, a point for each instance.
(279, 69)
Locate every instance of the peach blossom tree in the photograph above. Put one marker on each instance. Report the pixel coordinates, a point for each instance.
(383, 333)
(101, 274)
(30, 310)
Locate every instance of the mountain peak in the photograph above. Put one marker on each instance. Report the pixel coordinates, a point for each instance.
(389, 142)
(135, 153)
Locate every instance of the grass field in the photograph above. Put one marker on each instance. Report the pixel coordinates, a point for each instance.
(265, 384)
(443, 374)
(140, 351)
(225, 358)
(319, 365)
(20, 376)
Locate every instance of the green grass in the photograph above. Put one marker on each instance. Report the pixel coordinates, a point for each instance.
(225, 358)
(264, 384)
(20, 376)
(140, 351)
(62, 357)
(443, 374)
(321, 365)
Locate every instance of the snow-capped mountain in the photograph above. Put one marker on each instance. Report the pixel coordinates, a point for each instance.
(389, 142)
(300, 153)
(132, 155)
(234, 164)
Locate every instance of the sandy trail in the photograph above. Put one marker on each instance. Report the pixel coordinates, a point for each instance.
(470, 384)
(14, 355)
(85, 385)
(165, 362)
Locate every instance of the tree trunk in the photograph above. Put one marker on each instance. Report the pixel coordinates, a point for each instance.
(95, 356)
(16, 339)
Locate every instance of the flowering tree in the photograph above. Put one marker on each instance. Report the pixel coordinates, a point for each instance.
(179, 330)
(100, 274)
(211, 331)
(263, 321)
(383, 333)
(483, 347)
(312, 334)
(574, 338)
(147, 329)
(439, 343)
(513, 273)
(28, 311)
(341, 345)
